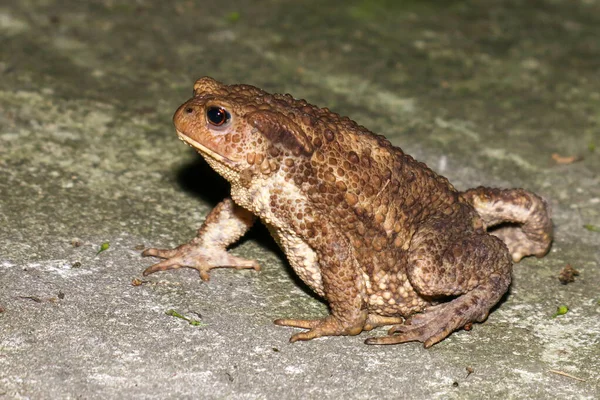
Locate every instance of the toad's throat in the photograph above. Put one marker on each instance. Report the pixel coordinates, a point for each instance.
(205, 151)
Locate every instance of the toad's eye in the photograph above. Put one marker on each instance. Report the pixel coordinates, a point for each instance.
(217, 116)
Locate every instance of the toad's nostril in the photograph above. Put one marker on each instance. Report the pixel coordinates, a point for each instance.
(189, 110)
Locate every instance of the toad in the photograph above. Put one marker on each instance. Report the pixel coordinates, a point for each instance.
(380, 236)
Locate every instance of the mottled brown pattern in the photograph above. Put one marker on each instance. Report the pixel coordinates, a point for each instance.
(379, 235)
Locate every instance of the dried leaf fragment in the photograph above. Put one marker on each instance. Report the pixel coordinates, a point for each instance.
(567, 274)
(565, 160)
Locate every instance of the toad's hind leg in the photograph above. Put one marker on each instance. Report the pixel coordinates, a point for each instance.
(518, 217)
(449, 259)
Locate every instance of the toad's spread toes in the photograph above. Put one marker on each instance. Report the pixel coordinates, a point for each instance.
(328, 326)
(436, 322)
(197, 256)
(379, 235)
(223, 226)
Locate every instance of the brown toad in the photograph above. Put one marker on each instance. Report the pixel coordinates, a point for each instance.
(379, 235)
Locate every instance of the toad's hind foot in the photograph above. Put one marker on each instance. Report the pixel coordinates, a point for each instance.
(436, 322)
(195, 255)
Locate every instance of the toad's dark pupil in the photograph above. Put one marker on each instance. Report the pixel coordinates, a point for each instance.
(217, 115)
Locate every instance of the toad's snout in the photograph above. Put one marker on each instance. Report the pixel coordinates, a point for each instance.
(188, 117)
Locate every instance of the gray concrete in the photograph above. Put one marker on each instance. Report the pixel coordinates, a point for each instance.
(484, 92)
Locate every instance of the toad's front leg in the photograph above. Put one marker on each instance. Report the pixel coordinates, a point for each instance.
(343, 287)
(223, 226)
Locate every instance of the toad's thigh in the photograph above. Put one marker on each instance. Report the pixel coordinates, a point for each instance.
(449, 258)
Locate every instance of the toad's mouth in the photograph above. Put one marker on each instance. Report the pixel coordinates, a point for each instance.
(205, 151)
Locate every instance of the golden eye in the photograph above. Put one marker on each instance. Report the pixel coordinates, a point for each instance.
(217, 116)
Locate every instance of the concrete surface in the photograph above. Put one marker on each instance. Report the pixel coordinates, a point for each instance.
(484, 92)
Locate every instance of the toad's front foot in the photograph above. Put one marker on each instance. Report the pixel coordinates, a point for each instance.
(198, 256)
(328, 326)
